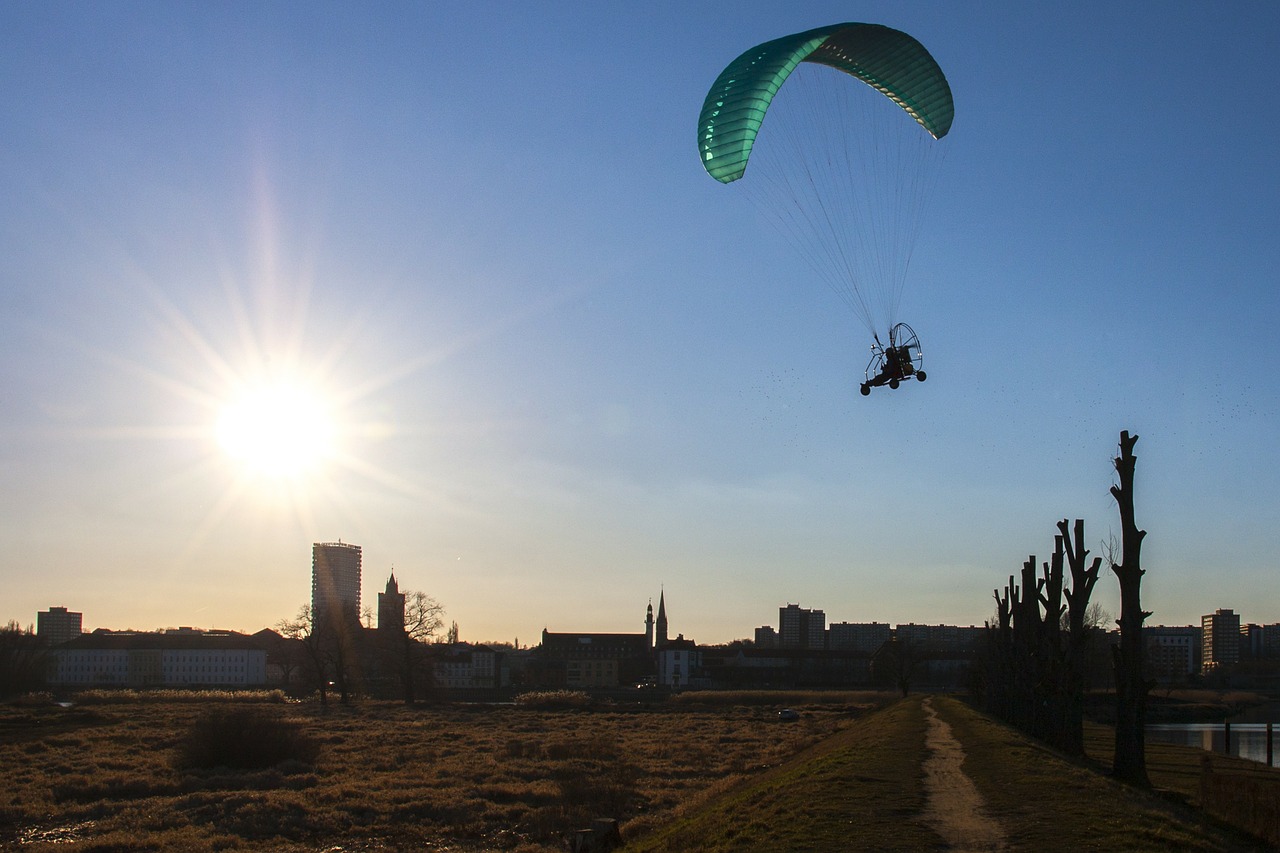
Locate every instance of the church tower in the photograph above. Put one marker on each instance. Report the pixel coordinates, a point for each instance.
(648, 626)
(661, 639)
(391, 607)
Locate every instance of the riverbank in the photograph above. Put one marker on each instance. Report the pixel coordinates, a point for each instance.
(864, 789)
(1186, 705)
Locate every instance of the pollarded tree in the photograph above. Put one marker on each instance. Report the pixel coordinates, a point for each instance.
(1131, 686)
(1079, 634)
(1038, 645)
(1050, 652)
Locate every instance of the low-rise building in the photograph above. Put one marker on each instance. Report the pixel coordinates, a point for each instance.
(863, 637)
(940, 640)
(680, 664)
(183, 658)
(464, 666)
(592, 660)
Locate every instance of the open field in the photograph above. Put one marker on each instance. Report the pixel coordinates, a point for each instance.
(716, 772)
(467, 777)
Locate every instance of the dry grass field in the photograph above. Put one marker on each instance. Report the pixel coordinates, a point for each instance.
(109, 776)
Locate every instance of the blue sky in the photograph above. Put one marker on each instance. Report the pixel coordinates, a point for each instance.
(567, 369)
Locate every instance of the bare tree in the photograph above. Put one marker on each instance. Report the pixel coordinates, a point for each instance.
(1131, 687)
(1000, 664)
(329, 650)
(896, 663)
(404, 647)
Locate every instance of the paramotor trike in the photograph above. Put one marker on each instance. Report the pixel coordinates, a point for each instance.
(891, 364)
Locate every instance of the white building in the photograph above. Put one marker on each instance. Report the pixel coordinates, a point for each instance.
(679, 663)
(184, 658)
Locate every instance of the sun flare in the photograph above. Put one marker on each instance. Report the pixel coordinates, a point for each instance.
(277, 432)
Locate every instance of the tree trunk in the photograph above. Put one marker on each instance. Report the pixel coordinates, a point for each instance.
(1082, 581)
(1052, 655)
(1131, 688)
(1026, 641)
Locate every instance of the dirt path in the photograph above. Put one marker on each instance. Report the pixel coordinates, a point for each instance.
(954, 808)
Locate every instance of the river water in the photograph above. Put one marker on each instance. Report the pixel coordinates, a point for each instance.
(1248, 740)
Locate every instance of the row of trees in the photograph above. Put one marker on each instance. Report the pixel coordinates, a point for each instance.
(1039, 642)
(24, 659)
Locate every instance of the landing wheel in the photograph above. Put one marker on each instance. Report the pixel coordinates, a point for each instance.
(893, 383)
(920, 375)
(865, 389)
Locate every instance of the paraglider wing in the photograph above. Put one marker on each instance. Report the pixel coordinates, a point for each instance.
(888, 60)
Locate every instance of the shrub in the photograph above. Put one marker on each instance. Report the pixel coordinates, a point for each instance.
(554, 699)
(246, 738)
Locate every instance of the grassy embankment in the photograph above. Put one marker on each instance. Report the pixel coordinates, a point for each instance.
(863, 790)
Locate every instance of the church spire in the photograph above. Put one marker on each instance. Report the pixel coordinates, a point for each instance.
(661, 638)
(648, 625)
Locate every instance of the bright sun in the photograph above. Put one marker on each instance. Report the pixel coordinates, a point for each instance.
(276, 432)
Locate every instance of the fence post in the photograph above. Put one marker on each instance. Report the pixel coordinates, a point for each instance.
(1226, 738)
(1270, 760)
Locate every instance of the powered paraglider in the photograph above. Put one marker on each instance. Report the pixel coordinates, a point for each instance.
(844, 163)
(900, 360)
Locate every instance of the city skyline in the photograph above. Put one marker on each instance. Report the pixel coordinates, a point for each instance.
(452, 282)
(801, 632)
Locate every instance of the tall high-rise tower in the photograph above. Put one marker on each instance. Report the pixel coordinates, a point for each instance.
(57, 625)
(335, 583)
(801, 628)
(1220, 638)
(391, 607)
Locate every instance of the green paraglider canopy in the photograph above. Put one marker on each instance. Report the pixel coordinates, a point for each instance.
(888, 60)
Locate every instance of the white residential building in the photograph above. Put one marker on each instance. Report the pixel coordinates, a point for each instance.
(679, 663)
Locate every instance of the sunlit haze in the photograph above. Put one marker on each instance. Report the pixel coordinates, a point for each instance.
(449, 281)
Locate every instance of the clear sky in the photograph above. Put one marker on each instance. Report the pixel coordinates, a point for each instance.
(564, 369)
